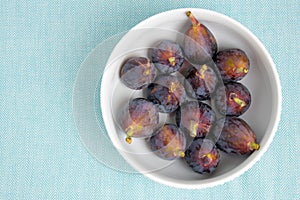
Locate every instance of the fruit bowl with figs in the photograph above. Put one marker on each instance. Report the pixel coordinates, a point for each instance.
(190, 98)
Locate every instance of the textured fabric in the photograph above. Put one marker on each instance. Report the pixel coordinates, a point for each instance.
(43, 43)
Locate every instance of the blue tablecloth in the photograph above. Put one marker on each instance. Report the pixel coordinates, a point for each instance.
(43, 43)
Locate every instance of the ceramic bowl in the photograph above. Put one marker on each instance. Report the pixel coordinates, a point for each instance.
(262, 82)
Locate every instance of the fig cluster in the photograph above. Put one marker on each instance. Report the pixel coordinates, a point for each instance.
(181, 80)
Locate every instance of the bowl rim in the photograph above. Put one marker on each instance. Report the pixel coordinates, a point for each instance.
(248, 163)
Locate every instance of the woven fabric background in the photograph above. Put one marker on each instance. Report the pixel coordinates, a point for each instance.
(43, 43)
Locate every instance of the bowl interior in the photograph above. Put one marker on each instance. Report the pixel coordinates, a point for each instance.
(262, 82)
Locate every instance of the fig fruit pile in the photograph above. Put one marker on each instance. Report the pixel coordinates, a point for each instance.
(197, 134)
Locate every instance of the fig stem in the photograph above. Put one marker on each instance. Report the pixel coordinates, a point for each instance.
(209, 156)
(128, 139)
(202, 71)
(241, 70)
(130, 130)
(172, 61)
(173, 87)
(240, 102)
(193, 128)
(146, 72)
(254, 146)
(234, 97)
(179, 153)
(194, 21)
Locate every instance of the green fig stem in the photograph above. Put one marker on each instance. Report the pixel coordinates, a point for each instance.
(209, 156)
(179, 153)
(146, 72)
(240, 102)
(253, 146)
(241, 69)
(203, 70)
(173, 87)
(128, 139)
(130, 130)
(172, 60)
(234, 97)
(193, 128)
(194, 21)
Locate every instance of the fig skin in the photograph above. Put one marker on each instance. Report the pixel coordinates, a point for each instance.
(199, 44)
(234, 99)
(202, 156)
(168, 142)
(236, 137)
(195, 118)
(138, 119)
(166, 92)
(167, 56)
(137, 73)
(200, 82)
(233, 64)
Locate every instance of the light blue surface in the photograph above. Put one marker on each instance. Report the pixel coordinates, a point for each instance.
(43, 43)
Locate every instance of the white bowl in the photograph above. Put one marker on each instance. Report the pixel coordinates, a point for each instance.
(262, 81)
